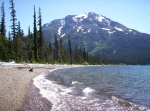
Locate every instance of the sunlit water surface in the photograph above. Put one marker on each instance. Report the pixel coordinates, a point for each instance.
(96, 88)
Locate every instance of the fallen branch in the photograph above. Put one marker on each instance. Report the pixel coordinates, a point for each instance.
(31, 69)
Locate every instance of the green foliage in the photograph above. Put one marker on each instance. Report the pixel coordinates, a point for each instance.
(36, 54)
(13, 19)
(40, 32)
(56, 62)
(3, 48)
(56, 50)
(2, 24)
(70, 49)
(85, 63)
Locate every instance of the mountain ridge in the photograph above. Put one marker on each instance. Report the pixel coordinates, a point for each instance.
(100, 35)
(92, 16)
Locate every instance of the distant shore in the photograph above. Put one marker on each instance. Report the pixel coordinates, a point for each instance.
(17, 91)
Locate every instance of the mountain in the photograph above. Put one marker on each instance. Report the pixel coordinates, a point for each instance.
(100, 35)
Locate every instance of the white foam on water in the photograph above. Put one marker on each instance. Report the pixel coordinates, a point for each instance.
(64, 98)
(88, 90)
(74, 82)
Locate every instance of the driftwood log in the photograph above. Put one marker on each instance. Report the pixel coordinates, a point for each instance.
(31, 69)
(26, 67)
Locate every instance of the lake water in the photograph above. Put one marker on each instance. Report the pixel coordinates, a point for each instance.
(97, 88)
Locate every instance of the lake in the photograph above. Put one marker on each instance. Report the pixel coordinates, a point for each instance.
(96, 88)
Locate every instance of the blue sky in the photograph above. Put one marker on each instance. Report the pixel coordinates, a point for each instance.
(134, 14)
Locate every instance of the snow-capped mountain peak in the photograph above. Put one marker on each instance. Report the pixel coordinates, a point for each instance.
(86, 23)
(99, 35)
(80, 18)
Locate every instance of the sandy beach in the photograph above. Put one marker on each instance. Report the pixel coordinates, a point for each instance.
(17, 91)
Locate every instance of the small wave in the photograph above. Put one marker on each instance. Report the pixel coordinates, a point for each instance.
(64, 98)
(74, 82)
(88, 90)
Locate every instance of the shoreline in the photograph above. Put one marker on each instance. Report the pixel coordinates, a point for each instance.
(17, 91)
(35, 100)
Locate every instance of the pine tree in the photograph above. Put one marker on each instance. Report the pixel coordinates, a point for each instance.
(2, 25)
(35, 38)
(70, 50)
(18, 42)
(56, 49)
(40, 32)
(41, 44)
(49, 53)
(13, 19)
(30, 46)
(3, 48)
(50, 46)
(3, 40)
(76, 54)
(84, 55)
(62, 51)
(10, 47)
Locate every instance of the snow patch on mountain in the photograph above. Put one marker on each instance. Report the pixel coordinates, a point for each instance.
(119, 29)
(63, 35)
(89, 30)
(62, 22)
(130, 30)
(100, 18)
(110, 32)
(79, 28)
(80, 17)
(107, 22)
(105, 29)
(84, 32)
(59, 30)
(47, 24)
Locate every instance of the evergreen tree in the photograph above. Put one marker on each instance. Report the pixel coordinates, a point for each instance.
(76, 54)
(13, 19)
(2, 25)
(40, 32)
(56, 49)
(3, 48)
(10, 47)
(84, 55)
(30, 46)
(35, 38)
(62, 51)
(80, 56)
(41, 44)
(3, 40)
(18, 42)
(70, 50)
(49, 53)
(50, 46)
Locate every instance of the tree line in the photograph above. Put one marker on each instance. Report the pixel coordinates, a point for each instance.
(33, 48)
